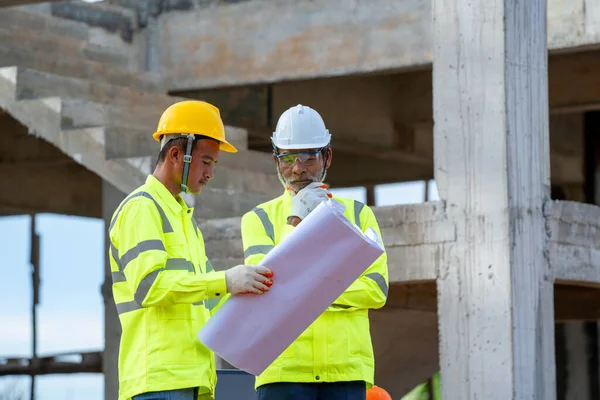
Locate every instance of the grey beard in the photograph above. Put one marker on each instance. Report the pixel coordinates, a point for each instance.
(286, 183)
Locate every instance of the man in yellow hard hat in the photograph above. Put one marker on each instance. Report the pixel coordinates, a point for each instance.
(163, 284)
(333, 358)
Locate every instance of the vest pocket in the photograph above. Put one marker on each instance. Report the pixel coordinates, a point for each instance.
(176, 245)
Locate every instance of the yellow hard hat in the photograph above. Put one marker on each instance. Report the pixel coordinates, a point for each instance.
(193, 117)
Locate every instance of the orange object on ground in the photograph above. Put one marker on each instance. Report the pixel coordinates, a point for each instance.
(377, 393)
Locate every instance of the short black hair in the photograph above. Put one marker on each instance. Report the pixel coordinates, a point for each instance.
(181, 143)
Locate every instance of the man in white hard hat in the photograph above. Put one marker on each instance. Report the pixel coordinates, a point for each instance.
(333, 358)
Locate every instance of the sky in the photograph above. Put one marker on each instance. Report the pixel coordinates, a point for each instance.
(70, 314)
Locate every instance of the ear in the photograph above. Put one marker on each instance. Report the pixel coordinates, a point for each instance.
(174, 155)
(275, 159)
(329, 157)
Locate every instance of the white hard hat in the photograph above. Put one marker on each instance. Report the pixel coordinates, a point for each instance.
(300, 127)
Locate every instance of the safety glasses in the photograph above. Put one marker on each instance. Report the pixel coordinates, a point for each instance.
(307, 158)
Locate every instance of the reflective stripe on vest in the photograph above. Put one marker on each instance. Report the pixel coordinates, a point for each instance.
(375, 276)
(267, 224)
(166, 224)
(258, 249)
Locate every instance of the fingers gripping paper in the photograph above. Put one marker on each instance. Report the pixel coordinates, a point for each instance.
(313, 266)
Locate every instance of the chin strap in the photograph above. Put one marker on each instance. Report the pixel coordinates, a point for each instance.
(187, 160)
(324, 171)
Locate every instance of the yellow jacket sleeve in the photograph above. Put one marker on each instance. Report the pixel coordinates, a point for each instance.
(153, 277)
(371, 289)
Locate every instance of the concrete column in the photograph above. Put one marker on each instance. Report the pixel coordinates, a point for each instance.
(495, 289)
(111, 197)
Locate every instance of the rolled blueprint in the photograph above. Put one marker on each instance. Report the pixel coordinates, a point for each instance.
(312, 267)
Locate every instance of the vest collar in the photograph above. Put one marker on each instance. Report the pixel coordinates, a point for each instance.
(175, 204)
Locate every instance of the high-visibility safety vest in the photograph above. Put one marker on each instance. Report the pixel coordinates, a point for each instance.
(164, 288)
(337, 346)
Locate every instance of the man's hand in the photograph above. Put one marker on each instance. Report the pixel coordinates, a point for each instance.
(248, 279)
(308, 199)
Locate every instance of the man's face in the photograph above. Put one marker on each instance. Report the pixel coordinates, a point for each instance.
(204, 157)
(298, 168)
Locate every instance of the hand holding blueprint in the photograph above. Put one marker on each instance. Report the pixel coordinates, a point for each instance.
(312, 267)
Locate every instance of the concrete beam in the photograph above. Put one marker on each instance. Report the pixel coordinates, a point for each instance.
(38, 177)
(576, 303)
(61, 188)
(322, 40)
(571, 301)
(257, 43)
(574, 248)
(414, 236)
(574, 85)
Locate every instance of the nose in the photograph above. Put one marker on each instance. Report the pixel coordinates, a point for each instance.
(208, 172)
(298, 167)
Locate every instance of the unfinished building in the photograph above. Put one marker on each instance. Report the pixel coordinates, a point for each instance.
(82, 86)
